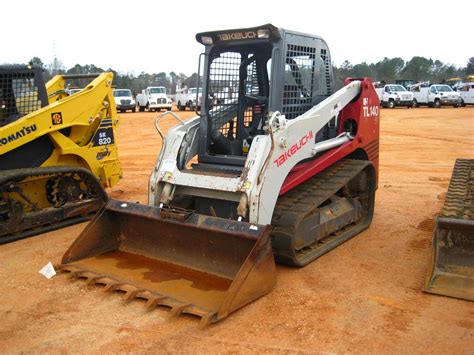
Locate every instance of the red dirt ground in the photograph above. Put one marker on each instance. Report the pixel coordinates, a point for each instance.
(364, 296)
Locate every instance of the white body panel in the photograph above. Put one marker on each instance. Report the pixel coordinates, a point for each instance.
(270, 159)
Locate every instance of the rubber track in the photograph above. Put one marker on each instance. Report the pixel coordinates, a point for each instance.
(313, 192)
(308, 196)
(459, 202)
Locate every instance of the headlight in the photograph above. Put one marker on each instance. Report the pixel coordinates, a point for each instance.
(206, 40)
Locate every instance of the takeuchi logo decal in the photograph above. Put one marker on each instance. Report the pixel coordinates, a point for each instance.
(237, 35)
(293, 149)
(18, 134)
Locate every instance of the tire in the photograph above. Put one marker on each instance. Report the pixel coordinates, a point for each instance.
(415, 103)
(463, 104)
(437, 103)
(180, 107)
(134, 109)
(391, 104)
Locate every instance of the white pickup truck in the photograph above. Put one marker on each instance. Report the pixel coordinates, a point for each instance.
(435, 96)
(154, 98)
(187, 98)
(124, 100)
(393, 95)
(466, 91)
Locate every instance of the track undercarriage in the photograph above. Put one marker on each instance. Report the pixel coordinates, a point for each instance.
(38, 200)
(323, 212)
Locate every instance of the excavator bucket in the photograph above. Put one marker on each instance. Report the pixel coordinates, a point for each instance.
(452, 263)
(192, 263)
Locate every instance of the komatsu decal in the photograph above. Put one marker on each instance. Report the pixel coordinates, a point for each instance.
(18, 134)
(237, 35)
(293, 149)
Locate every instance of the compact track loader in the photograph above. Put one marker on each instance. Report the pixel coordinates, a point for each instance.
(275, 165)
(57, 152)
(451, 272)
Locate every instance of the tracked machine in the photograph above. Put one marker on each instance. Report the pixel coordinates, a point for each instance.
(57, 152)
(276, 165)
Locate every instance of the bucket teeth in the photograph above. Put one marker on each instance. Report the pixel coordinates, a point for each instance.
(206, 319)
(131, 292)
(154, 301)
(130, 295)
(93, 279)
(74, 275)
(112, 286)
(177, 310)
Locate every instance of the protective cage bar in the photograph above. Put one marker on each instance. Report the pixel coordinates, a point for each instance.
(19, 95)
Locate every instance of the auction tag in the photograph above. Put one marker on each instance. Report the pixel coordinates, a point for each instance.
(168, 165)
(48, 270)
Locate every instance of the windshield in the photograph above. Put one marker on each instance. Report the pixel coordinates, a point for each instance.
(443, 88)
(121, 93)
(397, 88)
(193, 90)
(160, 90)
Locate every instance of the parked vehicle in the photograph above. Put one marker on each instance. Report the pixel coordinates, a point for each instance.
(393, 95)
(124, 100)
(435, 95)
(188, 98)
(466, 92)
(406, 83)
(154, 98)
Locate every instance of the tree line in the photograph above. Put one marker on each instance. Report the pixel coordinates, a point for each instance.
(387, 69)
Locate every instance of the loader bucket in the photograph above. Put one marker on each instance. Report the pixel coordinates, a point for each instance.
(452, 263)
(452, 255)
(192, 263)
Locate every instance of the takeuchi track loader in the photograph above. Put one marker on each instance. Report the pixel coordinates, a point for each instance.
(57, 152)
(276, 165)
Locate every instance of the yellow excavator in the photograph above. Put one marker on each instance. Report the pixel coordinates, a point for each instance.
(57, 152)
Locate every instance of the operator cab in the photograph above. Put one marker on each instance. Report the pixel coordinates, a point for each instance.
(250, 72)
(22, 91)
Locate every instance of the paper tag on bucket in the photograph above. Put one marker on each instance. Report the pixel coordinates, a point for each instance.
(48, 270)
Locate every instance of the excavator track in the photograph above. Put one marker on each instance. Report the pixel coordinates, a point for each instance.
(323, 212)
(452, 254)
(38, 200)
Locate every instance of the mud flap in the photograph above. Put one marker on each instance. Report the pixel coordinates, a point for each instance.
(192, 263)
(452, 259)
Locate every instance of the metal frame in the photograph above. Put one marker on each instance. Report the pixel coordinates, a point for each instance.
(284, 44)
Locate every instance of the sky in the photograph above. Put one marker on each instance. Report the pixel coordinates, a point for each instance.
(159, 36)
